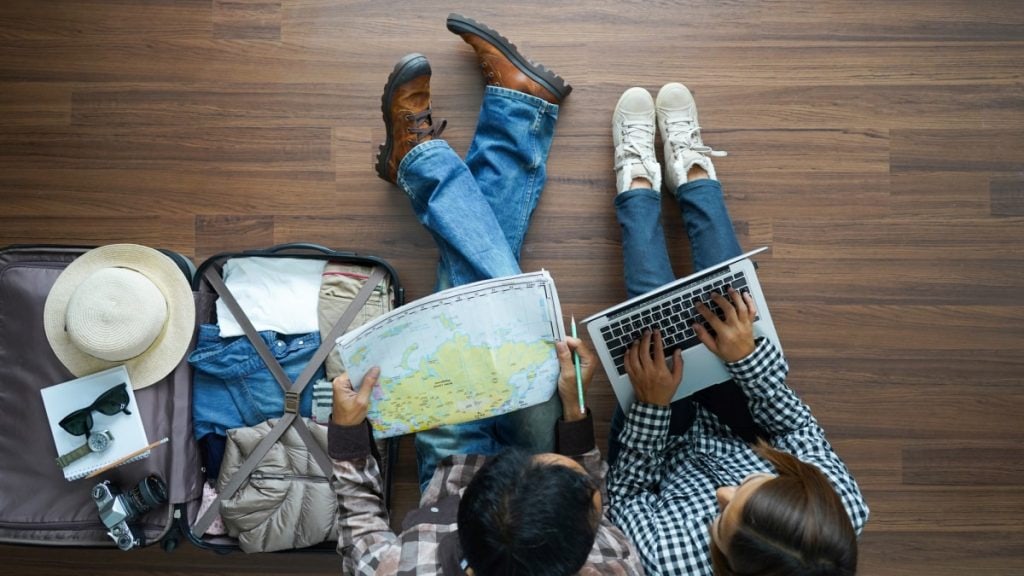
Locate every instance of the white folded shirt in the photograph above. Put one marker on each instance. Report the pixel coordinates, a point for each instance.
(279, 294)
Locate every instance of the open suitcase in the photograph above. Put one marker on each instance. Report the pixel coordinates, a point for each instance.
(37, 505)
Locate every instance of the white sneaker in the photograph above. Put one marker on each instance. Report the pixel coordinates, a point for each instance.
(633, 136)
(680, 133)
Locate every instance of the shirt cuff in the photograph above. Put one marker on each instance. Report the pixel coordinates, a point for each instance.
(646, 423)
(349, 442)
(761, 361)
(575, 438)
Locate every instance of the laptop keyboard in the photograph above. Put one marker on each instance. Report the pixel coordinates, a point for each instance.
(674, 315)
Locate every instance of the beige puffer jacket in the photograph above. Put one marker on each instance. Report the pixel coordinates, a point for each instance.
(287, 501)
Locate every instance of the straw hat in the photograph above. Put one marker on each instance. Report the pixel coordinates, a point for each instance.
(121, 304)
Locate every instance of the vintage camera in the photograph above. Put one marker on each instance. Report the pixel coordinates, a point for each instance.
(118, 508)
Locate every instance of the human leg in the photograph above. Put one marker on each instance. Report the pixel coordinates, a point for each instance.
(645, 259)
(708, 226)
(508, 159)
(638, 201)
(508, 155)
(447, 201)
(443, 193)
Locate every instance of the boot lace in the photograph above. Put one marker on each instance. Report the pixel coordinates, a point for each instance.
(430, 129)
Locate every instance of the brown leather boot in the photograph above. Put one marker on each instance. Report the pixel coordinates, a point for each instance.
(406, 107)
(503, 65)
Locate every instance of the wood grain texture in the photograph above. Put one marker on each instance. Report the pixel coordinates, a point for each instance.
(876, 147)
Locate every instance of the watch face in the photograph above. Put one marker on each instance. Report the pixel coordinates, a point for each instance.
(98, 442)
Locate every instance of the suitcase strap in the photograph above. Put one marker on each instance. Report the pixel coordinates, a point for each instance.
(292, 389)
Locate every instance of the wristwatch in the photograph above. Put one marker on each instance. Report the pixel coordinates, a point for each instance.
(98, 442)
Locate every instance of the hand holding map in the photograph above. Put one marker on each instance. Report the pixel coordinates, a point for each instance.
(462, 354)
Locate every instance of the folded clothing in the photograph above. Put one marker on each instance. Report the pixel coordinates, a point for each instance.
(232, 387)
(277, 294)
(340, 285)
(288, 501)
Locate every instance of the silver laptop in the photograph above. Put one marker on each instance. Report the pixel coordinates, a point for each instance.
(670, 308)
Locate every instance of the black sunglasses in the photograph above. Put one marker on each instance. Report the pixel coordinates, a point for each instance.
(110, 402)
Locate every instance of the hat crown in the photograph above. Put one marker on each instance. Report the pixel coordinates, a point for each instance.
(115, 314)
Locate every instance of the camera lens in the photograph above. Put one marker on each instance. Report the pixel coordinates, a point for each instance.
(146, 495)
(125, 542)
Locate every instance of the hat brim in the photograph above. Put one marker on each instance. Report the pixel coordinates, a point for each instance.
(169, 347)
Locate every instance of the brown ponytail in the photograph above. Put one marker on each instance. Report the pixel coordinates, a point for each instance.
(793, 525)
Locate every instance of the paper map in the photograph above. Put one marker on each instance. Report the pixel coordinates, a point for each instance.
(463, 354)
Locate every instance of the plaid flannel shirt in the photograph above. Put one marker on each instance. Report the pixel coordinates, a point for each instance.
(662, 487)
(368, 546)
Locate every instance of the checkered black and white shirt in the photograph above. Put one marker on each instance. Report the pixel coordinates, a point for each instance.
(662, 488)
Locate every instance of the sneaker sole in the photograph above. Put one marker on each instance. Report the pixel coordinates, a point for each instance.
(552, 82)
(409, 67)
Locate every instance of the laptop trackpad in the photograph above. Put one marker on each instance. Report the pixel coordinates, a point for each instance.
(701, 368)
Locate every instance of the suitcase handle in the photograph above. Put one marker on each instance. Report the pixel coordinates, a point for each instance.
(305, 247)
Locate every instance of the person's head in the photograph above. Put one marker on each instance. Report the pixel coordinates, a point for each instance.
(793, 524)
(524, 514)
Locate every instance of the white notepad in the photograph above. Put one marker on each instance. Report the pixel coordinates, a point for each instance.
(127, 429)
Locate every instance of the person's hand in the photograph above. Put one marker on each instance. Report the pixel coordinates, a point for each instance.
(734, 336)
(567, 377)
(653, 381)
(350, 407)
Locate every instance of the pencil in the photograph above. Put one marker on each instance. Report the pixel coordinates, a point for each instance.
(120, 461)
(579, 374)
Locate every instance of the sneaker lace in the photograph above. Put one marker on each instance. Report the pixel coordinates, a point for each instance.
(431, 129)
(685, 135)
(637, 145)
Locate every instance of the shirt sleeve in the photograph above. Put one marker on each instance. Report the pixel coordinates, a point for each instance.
(778, 410)
(641, 459)
(613, 551)
(634, 481)
(365, 540)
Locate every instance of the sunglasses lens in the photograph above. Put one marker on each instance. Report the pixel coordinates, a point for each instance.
(112, 401)
(78, 422)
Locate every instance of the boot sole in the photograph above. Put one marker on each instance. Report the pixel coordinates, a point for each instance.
(409, 67)
(552, 82)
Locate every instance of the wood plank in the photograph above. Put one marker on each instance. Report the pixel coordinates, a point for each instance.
(103, 20)
(1007, 194)
(31, 104)
(271, 152)
(246, 20)
(221, 104)
(883, 330)
(915, 412)
(945, 195)
(987, 463)
(172, 232)
(984, 150)
(930, 552)
(932, 281)
(174, 189)
(215, 234)
(986, 509)
(900, 238)
(985, 104)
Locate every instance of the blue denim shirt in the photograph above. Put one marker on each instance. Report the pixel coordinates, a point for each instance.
(232, 387)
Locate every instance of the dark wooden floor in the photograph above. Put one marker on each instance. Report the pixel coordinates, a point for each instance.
(877, 147)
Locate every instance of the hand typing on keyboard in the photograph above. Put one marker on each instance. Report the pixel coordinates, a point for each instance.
(733, 338)
(653, 381)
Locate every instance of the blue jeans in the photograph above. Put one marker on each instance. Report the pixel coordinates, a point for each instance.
(232, 387)
(478, 211)
(646, 263)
